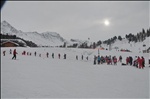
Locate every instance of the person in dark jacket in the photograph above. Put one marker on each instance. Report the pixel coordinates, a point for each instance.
(35, 53)
(47, 54)
(120, 58)
(76, 57)
(59, 56)
(95, 60)
(143, 62)
(64, 56)
(10, 51)
(130, 60)
(14, 54)
(4, 53)
(82, 57)
(52, 55)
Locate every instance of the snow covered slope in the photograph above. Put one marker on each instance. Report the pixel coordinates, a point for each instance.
(132, 46)
(41, 39)
(32, 76)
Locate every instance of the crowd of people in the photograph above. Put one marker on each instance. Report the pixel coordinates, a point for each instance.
(138, 62)
(107, 59)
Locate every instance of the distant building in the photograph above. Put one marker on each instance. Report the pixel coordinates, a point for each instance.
(12, 43)
(9, 44)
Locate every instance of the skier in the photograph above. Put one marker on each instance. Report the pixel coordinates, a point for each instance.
(135, 63)
(47, 54)
(35, 53)
(120, 58)
(143, 62)
(23, 53)
(87, 57)
(59, 56)
(115, 60)
(10, 51)
(64, 56)
(76, 57)
(14, 54)
(82, 57)
(127, 60)
(98, 59)
(139, 62)
(4, 53)
(95, 60)
(130, 60)
(52, 55)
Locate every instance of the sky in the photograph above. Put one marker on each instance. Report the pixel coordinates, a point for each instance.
(78, 19)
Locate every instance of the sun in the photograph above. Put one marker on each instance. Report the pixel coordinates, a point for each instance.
(106, 22)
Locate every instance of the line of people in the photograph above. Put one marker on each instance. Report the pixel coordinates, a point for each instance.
(138, 62)
(47, 55)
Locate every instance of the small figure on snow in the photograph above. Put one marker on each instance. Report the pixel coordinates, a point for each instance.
(59, 56)
(47, 54)
(35, 53)
(87, 58)
(82, 57)
(76, 57)
(4, 53)
(95, 60)
(120, 58)
(64, 56)
(14, 54)
(98, 59)
(52, 55)
(10, 51)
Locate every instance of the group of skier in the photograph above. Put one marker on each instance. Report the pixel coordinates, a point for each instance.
(138, 62)
(14, 53)
(40, 55)
(107, 59)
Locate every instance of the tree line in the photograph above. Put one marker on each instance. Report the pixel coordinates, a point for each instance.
(139, 37)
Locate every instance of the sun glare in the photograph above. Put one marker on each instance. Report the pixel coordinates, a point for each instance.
(106, 22)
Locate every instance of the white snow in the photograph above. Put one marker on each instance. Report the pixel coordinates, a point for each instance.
(31, 77)
(41, 77)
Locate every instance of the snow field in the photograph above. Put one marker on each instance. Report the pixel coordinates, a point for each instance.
(41, 77)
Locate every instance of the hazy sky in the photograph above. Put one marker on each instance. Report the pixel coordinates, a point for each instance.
(78, 19)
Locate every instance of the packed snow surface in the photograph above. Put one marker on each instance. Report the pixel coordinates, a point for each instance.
(41, 77)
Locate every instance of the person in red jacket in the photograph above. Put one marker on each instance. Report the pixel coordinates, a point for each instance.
(143, 62)
(127, 60)
(139, 62)
(14, 54)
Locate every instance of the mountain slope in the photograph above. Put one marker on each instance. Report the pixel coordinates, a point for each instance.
(41, 39)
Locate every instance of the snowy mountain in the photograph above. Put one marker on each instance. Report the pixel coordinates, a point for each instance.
(41, 39)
